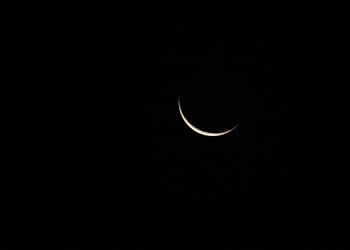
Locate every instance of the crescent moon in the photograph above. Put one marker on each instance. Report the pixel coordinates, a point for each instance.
(199, 131)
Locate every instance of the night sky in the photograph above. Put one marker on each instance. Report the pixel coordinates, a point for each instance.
(99, 145)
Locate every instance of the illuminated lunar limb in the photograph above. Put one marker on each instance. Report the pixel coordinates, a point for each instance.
(199, 131)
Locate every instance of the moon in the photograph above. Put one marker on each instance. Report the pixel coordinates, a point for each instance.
(199, 131)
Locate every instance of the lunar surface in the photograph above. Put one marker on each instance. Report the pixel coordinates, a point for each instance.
(199, 131)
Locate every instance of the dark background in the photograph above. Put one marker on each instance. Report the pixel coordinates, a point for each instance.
(98, 149)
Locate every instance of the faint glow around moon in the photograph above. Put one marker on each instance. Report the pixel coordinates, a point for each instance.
(199, 131)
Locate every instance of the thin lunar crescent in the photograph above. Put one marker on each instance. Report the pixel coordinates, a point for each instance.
(199, 131)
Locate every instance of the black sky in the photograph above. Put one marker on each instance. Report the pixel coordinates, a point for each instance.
(99, 143)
